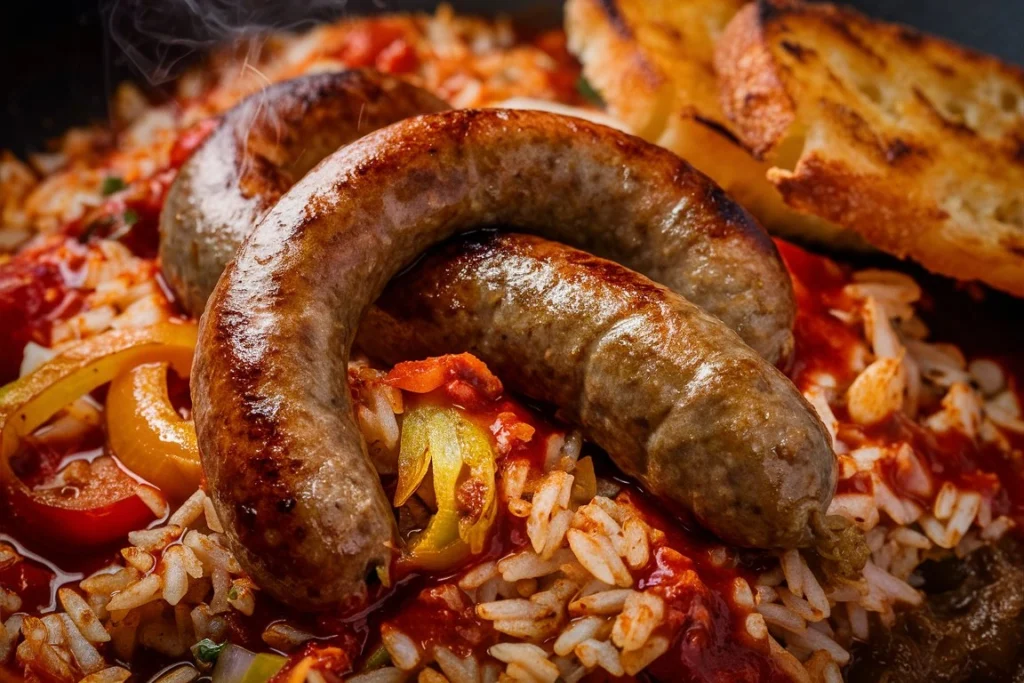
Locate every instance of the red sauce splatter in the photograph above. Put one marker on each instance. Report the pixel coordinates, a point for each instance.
(440, 615)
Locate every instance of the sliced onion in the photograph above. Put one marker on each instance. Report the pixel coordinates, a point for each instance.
(232, 664)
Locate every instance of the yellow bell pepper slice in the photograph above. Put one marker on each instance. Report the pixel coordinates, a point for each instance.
(414, 453)
(478, 456)
(462, 457)
(26, 404)
(301, 670)
(147, 434)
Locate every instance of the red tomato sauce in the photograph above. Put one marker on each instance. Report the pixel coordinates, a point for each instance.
(710, 644)
(953, 457)
(38, 288)
(824, 344)
(379, 43)
(132, 217)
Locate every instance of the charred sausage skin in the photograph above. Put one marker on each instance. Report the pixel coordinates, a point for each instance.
(285, 462)
(261, 147)
(674, 396)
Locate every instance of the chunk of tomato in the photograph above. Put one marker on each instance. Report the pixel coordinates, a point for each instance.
(98, 507)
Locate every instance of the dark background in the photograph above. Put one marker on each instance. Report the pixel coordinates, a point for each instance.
(58, 61)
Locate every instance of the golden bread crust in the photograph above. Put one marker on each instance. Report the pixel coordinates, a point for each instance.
(913, 142)
(652, 62)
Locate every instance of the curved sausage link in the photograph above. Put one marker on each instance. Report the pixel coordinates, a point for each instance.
(285, 461)
(672, 394)
(261, 147)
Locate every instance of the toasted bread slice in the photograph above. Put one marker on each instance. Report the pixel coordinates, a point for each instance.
(913, 142)
(652, 62)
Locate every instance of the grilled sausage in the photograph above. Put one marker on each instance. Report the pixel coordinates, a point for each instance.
(261, 147)
(284, 459)
(674, 396)
(274, 137)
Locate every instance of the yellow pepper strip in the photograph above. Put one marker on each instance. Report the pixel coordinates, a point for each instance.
(413, 452)
(26, 404)
(477, 454)
(147, 434)
(298, 674)
(445, 439)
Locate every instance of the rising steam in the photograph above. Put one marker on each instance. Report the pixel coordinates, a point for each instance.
(160, 37)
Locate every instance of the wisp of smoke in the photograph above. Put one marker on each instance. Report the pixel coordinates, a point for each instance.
(160, 36)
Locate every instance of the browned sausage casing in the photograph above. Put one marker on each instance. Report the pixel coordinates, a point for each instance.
(672, 394)
(261, 147)
(284, 459)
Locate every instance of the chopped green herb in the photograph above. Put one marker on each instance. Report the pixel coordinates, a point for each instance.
(130, 217)
(112, 184)
(377, 659)
(206, 651)
(233, 594)
(584, 88)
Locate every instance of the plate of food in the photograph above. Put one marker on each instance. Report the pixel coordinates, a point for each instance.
(675, 341)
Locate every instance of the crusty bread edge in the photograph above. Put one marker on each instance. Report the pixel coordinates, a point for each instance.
(596, 45)
(762, 112)
(887, 223)
(749, 83)
(613, 64)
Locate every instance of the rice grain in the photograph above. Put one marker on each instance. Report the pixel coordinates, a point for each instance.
(139, 593)
(81, 614)
(388, 674)
(594, 653)
(641, 614)
(600, 604)
(530, 657)
(635, 661)
(580, 630)
(598, 556)
(401, 648)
